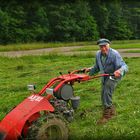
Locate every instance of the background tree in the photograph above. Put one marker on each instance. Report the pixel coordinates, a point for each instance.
(74, 20)
(131, 11)
(118, 28)
(101, 14)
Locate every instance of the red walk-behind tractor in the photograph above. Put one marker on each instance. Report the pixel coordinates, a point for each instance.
(43, 115)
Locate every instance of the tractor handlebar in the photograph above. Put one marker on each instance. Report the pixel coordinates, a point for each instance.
(79, 71)
(85, 69)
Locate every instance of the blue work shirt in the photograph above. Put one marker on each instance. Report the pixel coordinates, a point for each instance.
(112, 63)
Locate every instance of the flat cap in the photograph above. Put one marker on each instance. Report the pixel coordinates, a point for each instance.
(103, 41)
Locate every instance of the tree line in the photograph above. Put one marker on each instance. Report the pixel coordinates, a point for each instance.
(74, 20)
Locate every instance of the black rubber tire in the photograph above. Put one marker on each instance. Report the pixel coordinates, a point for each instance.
(48, 129)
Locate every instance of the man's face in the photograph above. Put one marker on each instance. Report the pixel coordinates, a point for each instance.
(104, 49)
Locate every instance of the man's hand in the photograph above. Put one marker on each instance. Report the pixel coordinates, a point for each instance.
(117, 73)
(85, 70)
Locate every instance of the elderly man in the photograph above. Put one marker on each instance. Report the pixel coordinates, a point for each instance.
(108, 61)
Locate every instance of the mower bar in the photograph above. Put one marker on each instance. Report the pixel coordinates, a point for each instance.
(101, 75)
(71, 77)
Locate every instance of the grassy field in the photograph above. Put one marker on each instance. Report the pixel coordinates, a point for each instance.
(30, 46)
(16, 73)
(132, 51)
(88, 45)
(114, 45)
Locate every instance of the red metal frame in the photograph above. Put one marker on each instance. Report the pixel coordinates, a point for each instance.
(21, 117)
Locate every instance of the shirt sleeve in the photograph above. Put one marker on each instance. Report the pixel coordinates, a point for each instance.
(94, 69)
(120, 64)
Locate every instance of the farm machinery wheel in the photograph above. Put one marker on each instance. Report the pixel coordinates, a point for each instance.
(46, 128)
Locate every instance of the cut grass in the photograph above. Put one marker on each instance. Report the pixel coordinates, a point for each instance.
(16, 73)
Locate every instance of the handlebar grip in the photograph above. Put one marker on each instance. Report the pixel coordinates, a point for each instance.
(111, 74)
(82, 70)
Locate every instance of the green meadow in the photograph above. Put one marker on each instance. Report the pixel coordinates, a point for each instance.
(119, 44)
(17, 73)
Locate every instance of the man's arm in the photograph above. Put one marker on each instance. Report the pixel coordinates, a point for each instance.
(94, 69)
(120, 65)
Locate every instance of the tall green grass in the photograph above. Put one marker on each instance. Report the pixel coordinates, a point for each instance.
(41, 45)
(115, 46)
(88, 45)
(132, 51)
(16, 73)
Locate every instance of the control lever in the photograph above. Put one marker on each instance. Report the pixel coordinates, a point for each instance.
(61, 74)
(111, 77)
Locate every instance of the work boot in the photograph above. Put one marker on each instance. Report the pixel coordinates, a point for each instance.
(106, 116)
(112, 111)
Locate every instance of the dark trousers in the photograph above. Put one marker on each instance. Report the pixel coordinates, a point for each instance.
(108, 87)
